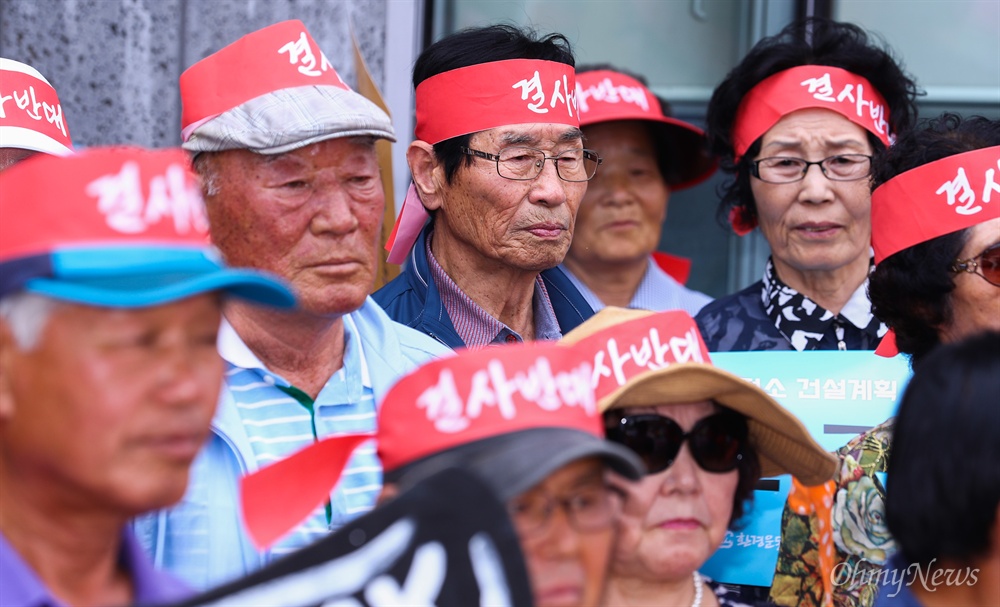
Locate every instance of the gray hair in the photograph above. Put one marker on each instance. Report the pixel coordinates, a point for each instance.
(27, 314)
(208, 173)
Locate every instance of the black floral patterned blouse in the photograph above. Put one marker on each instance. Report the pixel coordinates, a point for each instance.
(770, 315)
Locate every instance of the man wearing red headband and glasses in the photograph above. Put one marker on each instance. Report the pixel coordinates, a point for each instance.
(31, 117)
(796, 124)
(110, 301)
(286, 152)
(499, 165)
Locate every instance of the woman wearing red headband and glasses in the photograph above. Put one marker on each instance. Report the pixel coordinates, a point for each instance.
(933, 226)
(796, 124)
(938, 247)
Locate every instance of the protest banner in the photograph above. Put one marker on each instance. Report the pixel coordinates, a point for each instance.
(837, 395)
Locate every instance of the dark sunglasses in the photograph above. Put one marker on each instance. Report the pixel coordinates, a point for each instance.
(716, 442)
(987, 263)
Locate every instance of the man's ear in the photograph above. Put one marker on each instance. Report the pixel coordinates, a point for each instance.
(427, 173)
(8, 352)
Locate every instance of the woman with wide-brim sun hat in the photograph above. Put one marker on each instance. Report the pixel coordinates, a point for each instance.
(705, 437)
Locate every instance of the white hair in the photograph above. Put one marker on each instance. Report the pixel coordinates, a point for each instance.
(27, 314)
(208, 173)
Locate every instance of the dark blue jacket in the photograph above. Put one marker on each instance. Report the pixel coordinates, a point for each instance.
(413, 299)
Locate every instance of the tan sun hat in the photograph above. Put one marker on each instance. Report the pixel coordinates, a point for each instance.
(685, 374)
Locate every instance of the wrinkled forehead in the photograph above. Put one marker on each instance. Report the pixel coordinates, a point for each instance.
(814, 127)
(541, 136)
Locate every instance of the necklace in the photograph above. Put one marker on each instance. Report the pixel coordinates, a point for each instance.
(697, 590)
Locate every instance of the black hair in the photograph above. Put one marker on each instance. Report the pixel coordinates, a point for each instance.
(812, 41)
(674, 146)
(944, 483)
(911, 290)
(477, 45)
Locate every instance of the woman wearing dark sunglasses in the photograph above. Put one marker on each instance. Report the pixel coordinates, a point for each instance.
(946, 286)
(706, 437)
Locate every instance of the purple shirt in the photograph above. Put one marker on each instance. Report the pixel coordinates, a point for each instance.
(475, 325)
(20, 586)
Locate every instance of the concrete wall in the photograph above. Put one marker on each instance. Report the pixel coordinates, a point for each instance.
(115, 63)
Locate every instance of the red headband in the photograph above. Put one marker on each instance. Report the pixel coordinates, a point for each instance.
(485, 393)
(489, 95)
(478, 98)
(809, 86)
(604, 95)
(280, 56)
(931, 200)
(937, 198)
(106, 195)
(627, 349)
(31, 116)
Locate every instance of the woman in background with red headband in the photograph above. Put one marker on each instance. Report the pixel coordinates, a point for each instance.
(818, 93)
(926, 292)
(647, 156)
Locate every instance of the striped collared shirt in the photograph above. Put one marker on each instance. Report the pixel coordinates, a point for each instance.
(475, 325)
(280, 419)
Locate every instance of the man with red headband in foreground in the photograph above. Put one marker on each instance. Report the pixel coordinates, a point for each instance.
(110, 301)
(31, 117)
(524, 420)
(286, 152)
(499, 166)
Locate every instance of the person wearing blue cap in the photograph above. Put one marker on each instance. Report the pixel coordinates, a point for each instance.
(110, 304)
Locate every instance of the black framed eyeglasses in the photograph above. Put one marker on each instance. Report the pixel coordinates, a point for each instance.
(525, 164)
(716, 442)
(986, 264)
(788, 169)
(589, 508)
